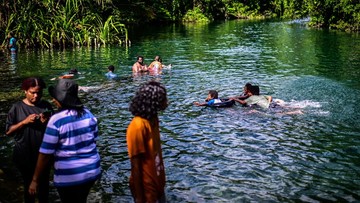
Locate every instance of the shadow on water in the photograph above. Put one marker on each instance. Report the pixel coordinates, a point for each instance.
(221, 155)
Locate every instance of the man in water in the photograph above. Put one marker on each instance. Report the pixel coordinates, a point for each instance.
(139, 65)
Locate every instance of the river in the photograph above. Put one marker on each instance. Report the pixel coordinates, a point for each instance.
(232, 154)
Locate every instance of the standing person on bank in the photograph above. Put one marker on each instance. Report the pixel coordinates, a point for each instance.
(147, 180)
(26, 122)
(70, 137)
(12, 42)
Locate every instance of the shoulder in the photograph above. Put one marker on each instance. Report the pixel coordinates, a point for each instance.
(18, 103)
(252, 97)
(138, 122)
(15, 106)
(211, 102)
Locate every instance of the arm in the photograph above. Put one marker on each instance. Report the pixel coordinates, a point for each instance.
(136, 171)
(269, 98)
(200, 104)
(13, 128)
(135, 68)
(238, 100)
(10, 43)
(43, 161)
(144, 68)
(152, 64)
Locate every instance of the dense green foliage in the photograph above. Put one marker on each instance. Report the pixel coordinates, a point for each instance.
(62, 23)
(48, 23)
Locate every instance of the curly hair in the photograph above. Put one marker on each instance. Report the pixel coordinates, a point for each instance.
(149, 100)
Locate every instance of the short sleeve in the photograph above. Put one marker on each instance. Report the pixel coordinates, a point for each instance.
(11, 117)
(51, 138)
(211, 102)
(135, 137)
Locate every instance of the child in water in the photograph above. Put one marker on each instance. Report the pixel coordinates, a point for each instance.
(110, 74)
(245, 93)
(211, 99)
(254, 98)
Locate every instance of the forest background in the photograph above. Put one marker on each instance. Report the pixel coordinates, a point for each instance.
(69, 23)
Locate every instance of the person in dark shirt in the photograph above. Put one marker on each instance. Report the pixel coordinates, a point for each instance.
(26, 122)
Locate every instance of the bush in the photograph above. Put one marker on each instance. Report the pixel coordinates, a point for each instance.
(195, 15)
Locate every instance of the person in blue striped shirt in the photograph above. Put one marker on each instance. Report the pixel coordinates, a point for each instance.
(70, 137)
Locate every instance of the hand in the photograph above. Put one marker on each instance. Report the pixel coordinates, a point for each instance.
(196, 103)
(33, 187)
(43, 117)
(30, 119)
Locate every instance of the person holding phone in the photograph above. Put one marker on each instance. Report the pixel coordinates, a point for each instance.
(26, 122)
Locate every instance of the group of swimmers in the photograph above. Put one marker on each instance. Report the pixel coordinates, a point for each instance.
(250, 97)
(155, 66)
(139, 66)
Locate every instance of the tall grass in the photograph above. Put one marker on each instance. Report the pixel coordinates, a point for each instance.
(69, 23)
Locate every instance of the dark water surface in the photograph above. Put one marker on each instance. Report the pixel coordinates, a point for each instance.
(219, 155)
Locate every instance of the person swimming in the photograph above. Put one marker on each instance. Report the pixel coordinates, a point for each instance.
(69, 75)
(110, 74)
(255, 98)
(211, 99)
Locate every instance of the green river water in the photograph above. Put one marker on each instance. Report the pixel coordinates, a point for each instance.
(217, 155)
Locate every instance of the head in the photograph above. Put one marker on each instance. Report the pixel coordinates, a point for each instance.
(65, 94)
(73, 71)
(111, 68)
(149, 100)
(247, 87)
(157, 58)
(213, 94)
(10, 35)
(33, 88)
(140, 59)
(254, 90)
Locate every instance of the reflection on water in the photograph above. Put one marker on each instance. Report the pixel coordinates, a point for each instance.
(232, 154)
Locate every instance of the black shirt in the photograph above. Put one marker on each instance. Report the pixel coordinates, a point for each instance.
(29, 138)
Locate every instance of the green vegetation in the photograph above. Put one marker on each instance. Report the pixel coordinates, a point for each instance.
(195, 15)
(65, 23)
(50, 23)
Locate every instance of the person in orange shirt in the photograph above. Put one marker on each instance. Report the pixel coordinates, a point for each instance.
(147, 179)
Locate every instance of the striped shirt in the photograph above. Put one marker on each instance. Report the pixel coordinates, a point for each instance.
(71, 140)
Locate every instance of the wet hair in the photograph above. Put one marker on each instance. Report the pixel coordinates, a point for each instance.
(73, 71)
(255, 90)
(149, 100)
(213, 94)
(248, 86)
(111, 68)
(137, 58)
(32, 82)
